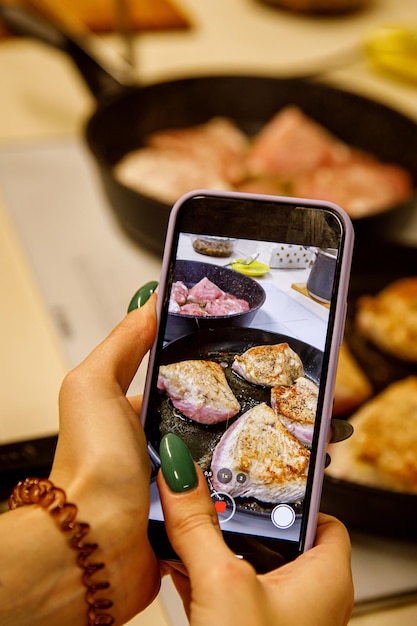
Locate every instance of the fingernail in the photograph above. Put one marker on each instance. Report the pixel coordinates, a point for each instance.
(142, 295)
(177, 464)
(341, 430)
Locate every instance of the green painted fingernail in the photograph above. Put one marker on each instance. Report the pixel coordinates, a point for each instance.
(177, 464)
(142, 295)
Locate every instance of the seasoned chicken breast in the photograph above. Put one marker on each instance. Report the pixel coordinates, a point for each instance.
(269, 365)
(389, 319)
(383, 451)
(352, 386)
(257, 457)
(296, 407)
(199, 390)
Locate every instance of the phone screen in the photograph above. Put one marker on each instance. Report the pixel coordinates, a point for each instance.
(251, 307)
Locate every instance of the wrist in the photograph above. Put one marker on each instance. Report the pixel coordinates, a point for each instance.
(119, 524)
(41, 493)
(41, 584)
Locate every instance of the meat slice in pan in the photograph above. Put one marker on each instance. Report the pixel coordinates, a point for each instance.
(204, 291)
(293, 143)
(363, 186)
(269, 365)
(217, 145)
(296, 407)
(167, 174)
(227, 305)
(258, 458)
(199, 390)
(192, 308)
(179, 292)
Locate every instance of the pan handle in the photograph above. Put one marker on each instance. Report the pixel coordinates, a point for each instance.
(103, 70)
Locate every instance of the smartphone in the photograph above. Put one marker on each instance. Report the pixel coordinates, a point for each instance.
(244, 363)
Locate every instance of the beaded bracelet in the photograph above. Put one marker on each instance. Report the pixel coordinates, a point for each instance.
(42, 492)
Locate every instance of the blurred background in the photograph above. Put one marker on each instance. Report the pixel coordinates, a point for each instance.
(84, 84)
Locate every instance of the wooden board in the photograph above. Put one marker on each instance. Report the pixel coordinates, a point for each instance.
(302, 288)
(102, 16)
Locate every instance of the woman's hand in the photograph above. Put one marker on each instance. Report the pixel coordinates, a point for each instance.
(218, 588)
(102, 464)
(102, 461)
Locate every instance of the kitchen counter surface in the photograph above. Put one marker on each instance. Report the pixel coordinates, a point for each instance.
(44, 100)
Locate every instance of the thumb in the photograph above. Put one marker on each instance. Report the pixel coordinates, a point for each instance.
(190, 516)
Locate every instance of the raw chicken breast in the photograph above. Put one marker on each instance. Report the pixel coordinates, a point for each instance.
(192, 308)
(293, 143)
(166, 174)
(258, 458)
(296, 407)
(203, 299)
(227, 305)
(217, 145)
(199, 390)
(269, 365)
(362, 186)
(179, 292)
(204, 291)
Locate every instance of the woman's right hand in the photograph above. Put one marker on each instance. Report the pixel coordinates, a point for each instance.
(217, 588)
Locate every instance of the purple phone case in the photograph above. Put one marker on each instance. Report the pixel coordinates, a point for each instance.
(337, 334)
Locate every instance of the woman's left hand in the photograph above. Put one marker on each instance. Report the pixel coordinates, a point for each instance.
(102, 462)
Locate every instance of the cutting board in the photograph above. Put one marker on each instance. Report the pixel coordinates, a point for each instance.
(103, 16)
(302, 288)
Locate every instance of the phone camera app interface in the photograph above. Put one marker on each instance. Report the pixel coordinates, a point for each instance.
(239, 373)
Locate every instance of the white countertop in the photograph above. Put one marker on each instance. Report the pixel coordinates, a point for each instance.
(44, 101)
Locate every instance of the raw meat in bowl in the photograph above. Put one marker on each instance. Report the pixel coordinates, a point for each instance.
(241, 299)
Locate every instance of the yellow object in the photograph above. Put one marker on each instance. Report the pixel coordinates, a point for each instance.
(254, 269)
(393, 49)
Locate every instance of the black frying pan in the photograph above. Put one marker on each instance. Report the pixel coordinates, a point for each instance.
(220, 345)
(126, 115)
(377, 511)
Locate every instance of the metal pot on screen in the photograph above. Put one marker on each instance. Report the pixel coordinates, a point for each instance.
(321, 277)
